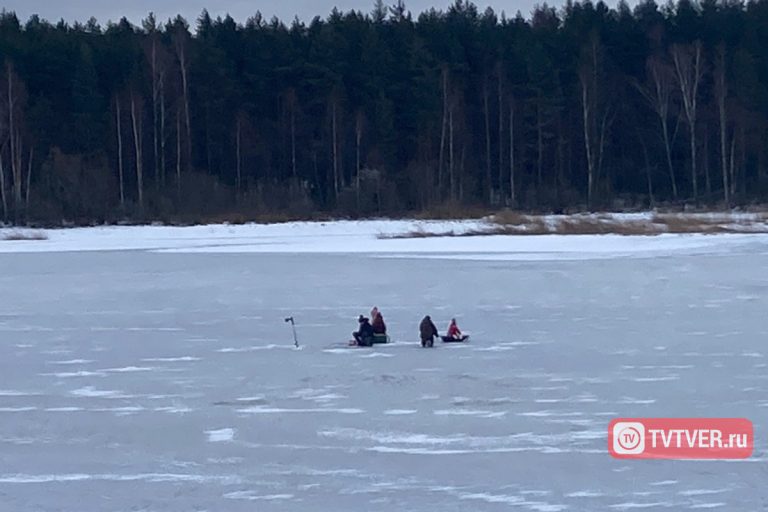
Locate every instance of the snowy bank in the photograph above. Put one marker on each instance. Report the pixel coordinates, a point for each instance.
(378, 237)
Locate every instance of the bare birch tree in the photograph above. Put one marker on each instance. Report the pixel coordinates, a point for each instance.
(2, 187)
(487, 119)
(443, 129)
(14, 105)
(359, 119)
(292, 102)
(335, 148)
(137, 129)
(181, 43)
(156, 72)
(512, 197)
(178, 151)
(238, 153)
(119, 131)
(451, 173)
(28, 187)
(595, 113)
(500, 102)
(689, 71)
(721, 92)
(658, 94)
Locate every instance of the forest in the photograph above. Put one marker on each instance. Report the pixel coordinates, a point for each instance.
(579, 107)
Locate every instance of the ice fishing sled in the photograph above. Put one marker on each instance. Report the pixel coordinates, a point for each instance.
(449, 339)
(379, 339)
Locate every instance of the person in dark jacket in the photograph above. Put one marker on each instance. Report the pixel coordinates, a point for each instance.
(364, 335)
(428, 331)
(379, 327)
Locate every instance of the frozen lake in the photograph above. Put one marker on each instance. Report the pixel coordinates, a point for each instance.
(137, 380)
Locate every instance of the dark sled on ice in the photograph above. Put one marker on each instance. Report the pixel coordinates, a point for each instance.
(448, 339)
(377, 339)
(380, 339)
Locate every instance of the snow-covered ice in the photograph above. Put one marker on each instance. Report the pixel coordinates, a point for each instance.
(371, 237)
(221, 435)
(152, 369)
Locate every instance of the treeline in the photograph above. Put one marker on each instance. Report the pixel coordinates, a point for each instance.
(385, 112)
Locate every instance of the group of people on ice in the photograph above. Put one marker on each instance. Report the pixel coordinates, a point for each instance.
(428, 332)
(365, 334)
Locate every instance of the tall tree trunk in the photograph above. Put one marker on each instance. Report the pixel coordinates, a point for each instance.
(659, 96)
(29, 175)
(294, 169)
(2, 188)
(649, 179)
(733, 164)
(539, 146)
(605, 125)
(689, 70)
(315, 168)
(18, 175)
(119, 131)
(136, 122)
(450, 153)
(487, 116)
(155, 113)
(335, 151)
(238, 157)
(500, 100)
(668, 152)
(208, 151)
(560, 172)
(743, 166)
(707, 181)
(443, 129)
(13, 134)
(462, 173)
(721, 88)
(162, 131)
(512, 196)
(178, 153)
(596, 119)
(358, 141)
(182, 54)
(587, 116)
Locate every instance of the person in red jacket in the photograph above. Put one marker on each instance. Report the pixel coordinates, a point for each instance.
(453, 330)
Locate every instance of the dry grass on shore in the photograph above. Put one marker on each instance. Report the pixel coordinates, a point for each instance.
(17, 235)
(513, 223)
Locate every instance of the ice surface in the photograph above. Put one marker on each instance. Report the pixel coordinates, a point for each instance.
(145, 380)
(221, 435)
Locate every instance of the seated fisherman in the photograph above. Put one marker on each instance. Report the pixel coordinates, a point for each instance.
(364, 335)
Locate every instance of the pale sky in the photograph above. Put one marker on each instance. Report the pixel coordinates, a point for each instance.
(135, 10)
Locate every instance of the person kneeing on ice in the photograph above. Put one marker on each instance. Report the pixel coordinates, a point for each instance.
(453, 330)
(428, 331)
(364, 335)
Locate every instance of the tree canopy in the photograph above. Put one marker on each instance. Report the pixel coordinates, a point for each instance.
(387, 112)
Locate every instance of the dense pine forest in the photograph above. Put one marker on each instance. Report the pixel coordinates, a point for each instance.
(385, 113)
